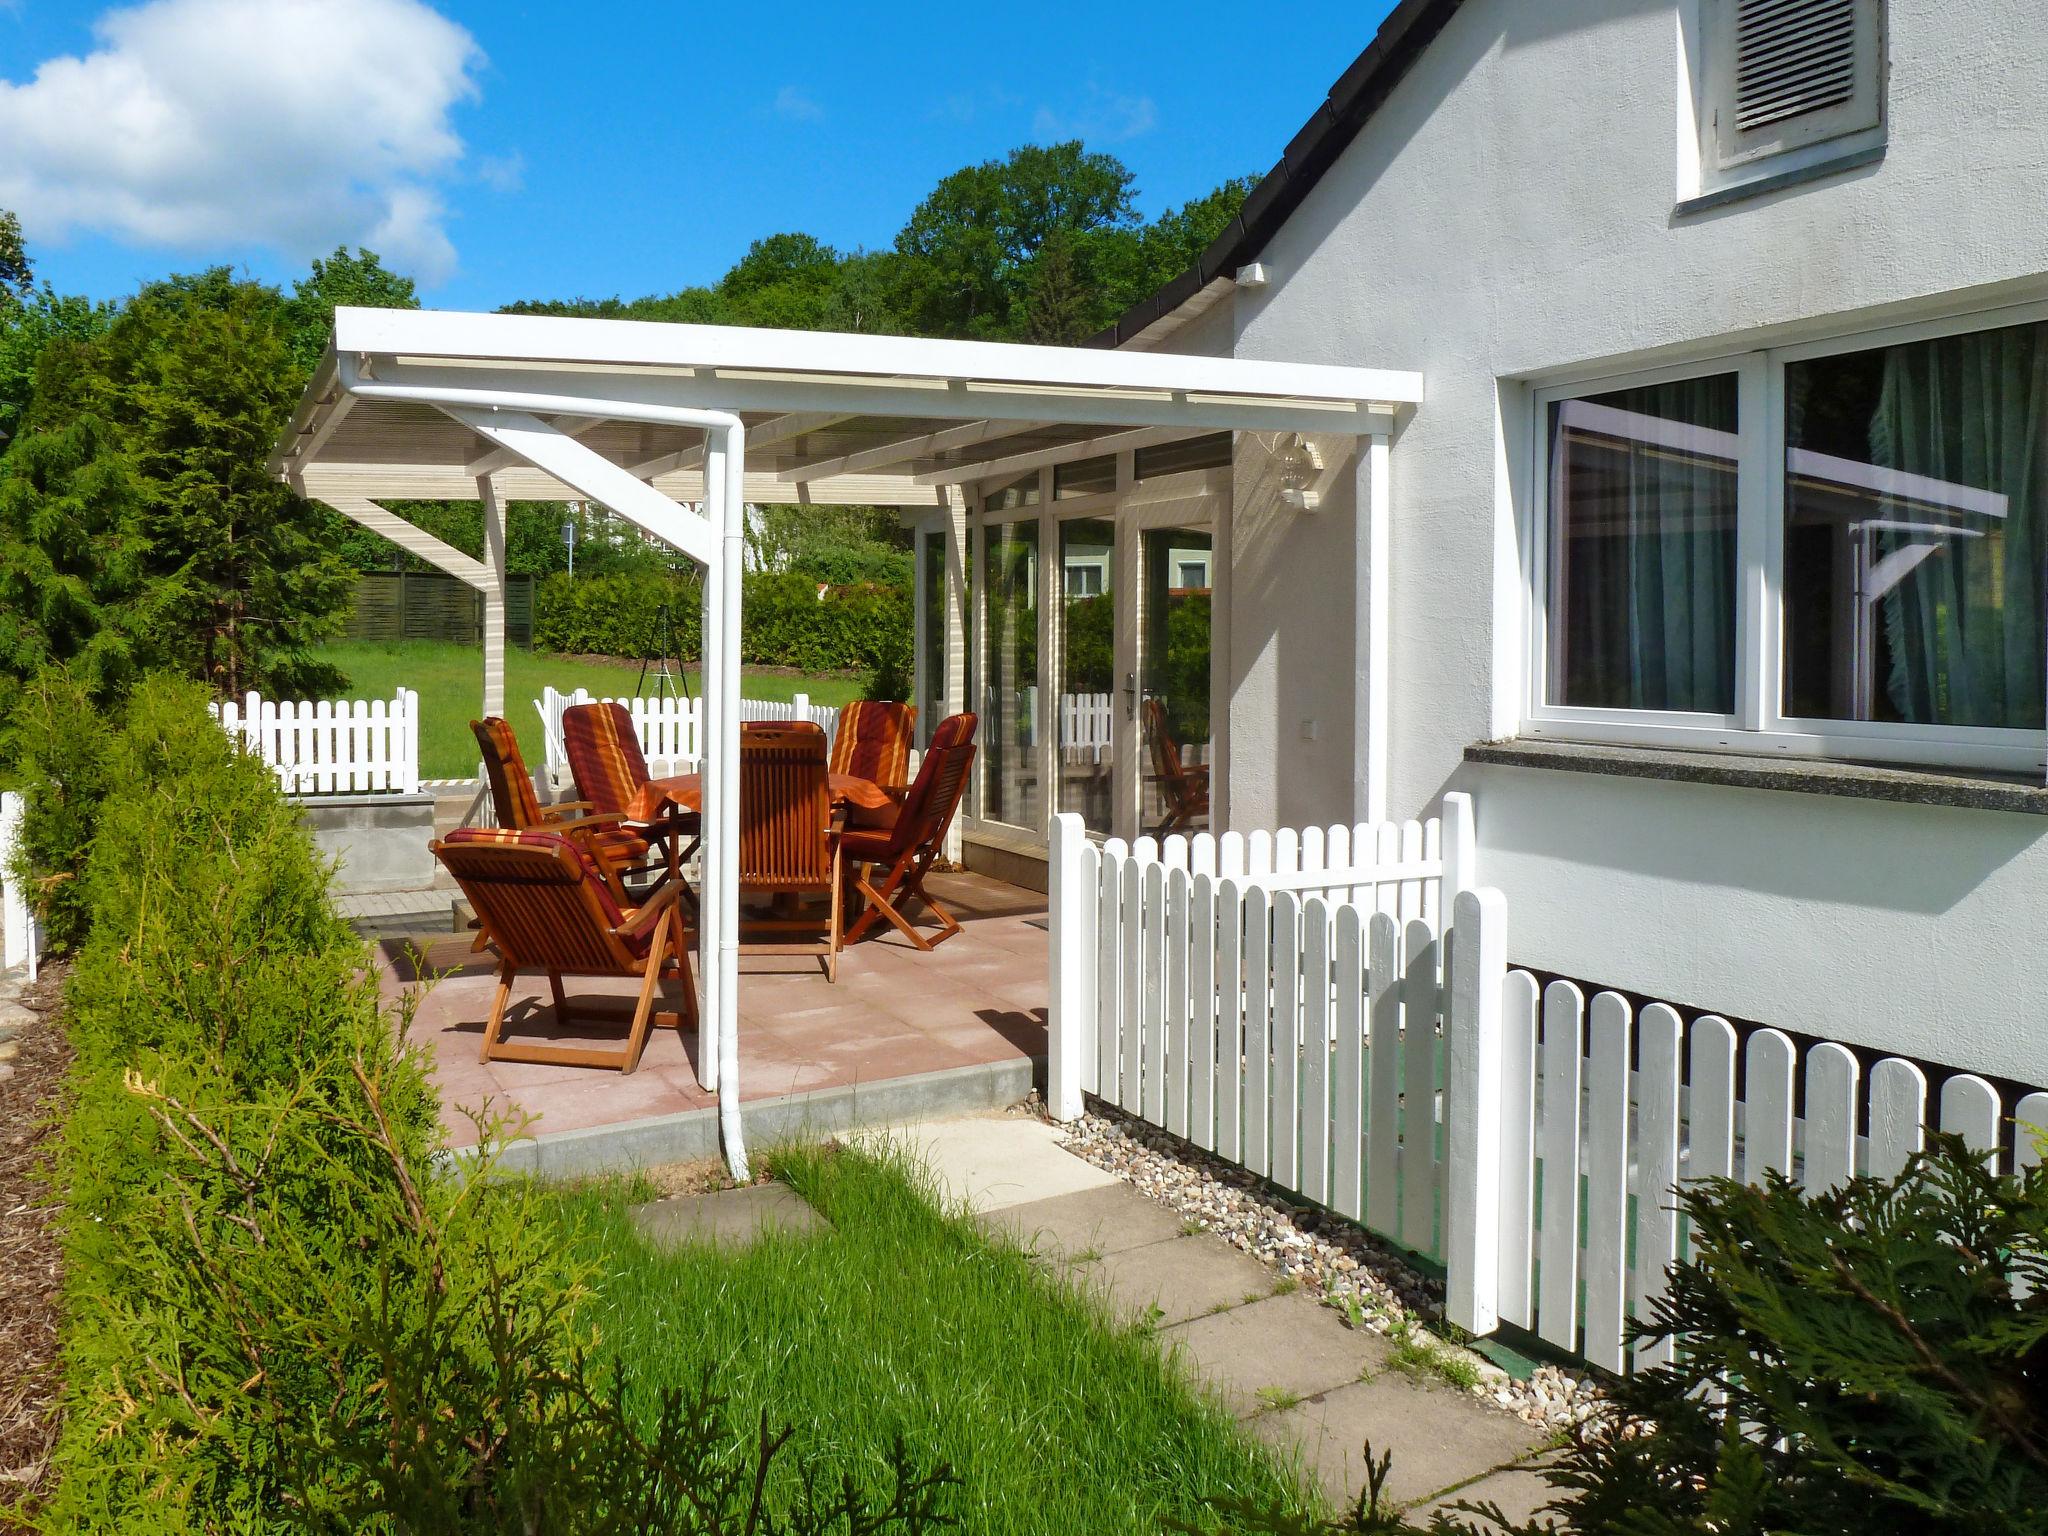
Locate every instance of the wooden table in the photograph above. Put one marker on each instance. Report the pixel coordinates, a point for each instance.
(685, 791)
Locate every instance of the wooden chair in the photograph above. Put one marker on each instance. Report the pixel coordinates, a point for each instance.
(613, 845)
(1184, 787)
(610, 770)
(544, 905)
(872, 742)
(904, 853)
(788, 848)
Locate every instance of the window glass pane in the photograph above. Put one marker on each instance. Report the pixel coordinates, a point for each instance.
(1916, 482)
(1011, 789)
(1018, 493)
(1088, 691)
(1175, 660)
(932, 594)
(1642, 567)
(1090, 477)
(1209, 452)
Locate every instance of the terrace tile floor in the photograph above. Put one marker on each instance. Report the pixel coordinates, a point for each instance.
(977, 999)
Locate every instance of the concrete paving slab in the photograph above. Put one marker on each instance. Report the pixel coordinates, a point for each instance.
(727, 1217)
(1186, 1278)
(1519, 1491)
(1440, 1438)
(990, 1163)
(1272, 1353)
(1107, 1219)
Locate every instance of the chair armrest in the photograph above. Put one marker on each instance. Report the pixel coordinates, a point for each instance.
(595, 823)
(643, 918)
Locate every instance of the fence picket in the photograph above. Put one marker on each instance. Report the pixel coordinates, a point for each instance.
(1969, 1109)
(1109, 970)
(2030, 1121)
(1421, 989)
(1174, 1065)
(1659, 1033)
(1314, 1180)
(1229, 1019)
(1152, 1021)
(1411, 889)
(1347, 1121)
(1831, 1083)
(1132, 983)
(1767, 1105)
(1230, 855)
(1519, 1003)
(1606, 1249)
(1898, 1102)
(1258, 853)
(1201, 1014)
(1257, 1023)
(1564, 1011)
(1383, 1073)
(1284, 1088)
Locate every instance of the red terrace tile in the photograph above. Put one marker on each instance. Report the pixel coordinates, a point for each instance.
(895, 1012)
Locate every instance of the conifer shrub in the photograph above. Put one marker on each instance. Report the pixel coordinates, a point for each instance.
(285, 1309)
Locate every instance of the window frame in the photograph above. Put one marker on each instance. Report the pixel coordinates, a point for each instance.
(1759, 726)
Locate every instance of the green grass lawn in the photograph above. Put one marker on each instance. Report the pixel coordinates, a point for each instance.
(450, 680)
(901, 1321)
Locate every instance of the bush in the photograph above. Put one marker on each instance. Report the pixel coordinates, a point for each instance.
(282, 1311)
(784, 622)
(58, 739)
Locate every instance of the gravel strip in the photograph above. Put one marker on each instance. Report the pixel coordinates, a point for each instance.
(1325, 1255)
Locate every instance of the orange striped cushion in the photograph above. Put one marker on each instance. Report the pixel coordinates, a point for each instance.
(539, 894)
(604, 754)
(511, 785)
(873, 741)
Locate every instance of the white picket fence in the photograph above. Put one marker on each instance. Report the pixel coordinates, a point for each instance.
(1296, 1006)
(1086, 723)
(332, 746)
(20, 937)
(669, 729)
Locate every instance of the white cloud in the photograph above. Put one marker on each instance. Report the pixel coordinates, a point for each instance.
(797, 105)
(502, 173)
(294, 124)
(1102, 116)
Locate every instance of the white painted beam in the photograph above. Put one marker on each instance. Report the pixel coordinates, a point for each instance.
(779, 430)
(407, 536)
(594, 475)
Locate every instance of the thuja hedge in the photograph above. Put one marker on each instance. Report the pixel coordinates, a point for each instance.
(283, 1309)
(784, 622)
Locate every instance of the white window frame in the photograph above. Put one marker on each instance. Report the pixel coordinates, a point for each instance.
(1759, 726)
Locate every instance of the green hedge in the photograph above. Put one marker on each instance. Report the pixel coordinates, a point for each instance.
(783, 621)
(283, 1310)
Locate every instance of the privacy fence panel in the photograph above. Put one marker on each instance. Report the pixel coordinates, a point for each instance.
(331, 746)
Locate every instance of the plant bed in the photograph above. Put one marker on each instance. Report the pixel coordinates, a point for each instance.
(31, 1086)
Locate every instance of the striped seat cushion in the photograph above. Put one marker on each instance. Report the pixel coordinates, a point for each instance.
(873, 741)
(539, 894)
(604, 754)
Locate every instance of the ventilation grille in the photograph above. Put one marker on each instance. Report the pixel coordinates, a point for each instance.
(1792, 57)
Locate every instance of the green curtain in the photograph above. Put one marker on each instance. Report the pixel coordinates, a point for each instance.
(1964, 630)
(1651, 552)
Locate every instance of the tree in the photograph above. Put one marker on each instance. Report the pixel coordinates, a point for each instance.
(17, 278)
(141, 480)
(360, 280)
(1055, 308)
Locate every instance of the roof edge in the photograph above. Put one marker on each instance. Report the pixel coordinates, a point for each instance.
(1358, 94)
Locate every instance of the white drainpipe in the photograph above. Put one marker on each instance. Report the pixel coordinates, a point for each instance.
(718, 919)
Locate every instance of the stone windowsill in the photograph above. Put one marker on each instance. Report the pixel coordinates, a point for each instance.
(1861, 781)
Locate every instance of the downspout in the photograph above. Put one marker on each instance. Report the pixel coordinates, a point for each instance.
(722, 786)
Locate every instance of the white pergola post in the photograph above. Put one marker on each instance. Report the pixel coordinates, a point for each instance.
(713, 803)
(1369, 632)
(494, 595)
(958, 632)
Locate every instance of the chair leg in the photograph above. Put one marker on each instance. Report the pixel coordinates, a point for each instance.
(561, 997)
(948, 924)
(497, 1019)
(832, 938)
(879, 904)
(650, 983)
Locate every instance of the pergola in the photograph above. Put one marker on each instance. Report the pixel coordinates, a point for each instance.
(676, 428)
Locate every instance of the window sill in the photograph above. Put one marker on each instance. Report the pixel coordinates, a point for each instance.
(1777, 181)
(1858, 781)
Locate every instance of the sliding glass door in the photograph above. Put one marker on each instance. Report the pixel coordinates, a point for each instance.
(1173, 668)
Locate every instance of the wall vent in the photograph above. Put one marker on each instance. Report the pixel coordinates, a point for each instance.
(1792, 57)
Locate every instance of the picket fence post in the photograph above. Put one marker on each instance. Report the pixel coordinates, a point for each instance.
(1070, 898)
(1474, 1105)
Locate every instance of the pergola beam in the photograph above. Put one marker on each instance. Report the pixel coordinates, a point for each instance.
(504, 458)
(779, 430)
(1065, 453)
(410, 537)
(904, 449)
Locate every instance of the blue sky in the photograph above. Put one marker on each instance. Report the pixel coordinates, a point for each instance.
(506, 150)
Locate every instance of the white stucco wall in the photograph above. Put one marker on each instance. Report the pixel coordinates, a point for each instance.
(1509, 214)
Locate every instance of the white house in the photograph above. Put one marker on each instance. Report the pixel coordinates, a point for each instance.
(1713, 559)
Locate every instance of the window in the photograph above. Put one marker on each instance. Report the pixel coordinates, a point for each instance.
(1782, 84)
(1085, 580)
(1211, 451)
(1193, 576)
(1087, 477)
(1835, 549)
